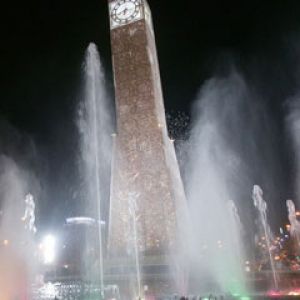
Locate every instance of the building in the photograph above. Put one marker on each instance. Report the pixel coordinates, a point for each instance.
(77, 252)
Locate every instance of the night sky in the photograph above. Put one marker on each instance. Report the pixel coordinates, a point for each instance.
(42, 52)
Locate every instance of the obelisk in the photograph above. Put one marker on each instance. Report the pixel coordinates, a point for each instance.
(147, 196)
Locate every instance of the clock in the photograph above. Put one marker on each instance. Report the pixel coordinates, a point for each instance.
(123, 12)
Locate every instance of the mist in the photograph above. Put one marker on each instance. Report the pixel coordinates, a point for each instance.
(229, 150)
(18, 256)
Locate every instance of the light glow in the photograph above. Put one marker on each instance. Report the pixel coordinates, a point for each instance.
(295, 292)
(49, 249)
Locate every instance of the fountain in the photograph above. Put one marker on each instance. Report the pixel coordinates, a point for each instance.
(215, 255)
(95, 128)
(18, 257)
(295, 224)
(237, 223)
(217, 181)
(29, 215)
(261, 206)
(215, 173)
(133, 213)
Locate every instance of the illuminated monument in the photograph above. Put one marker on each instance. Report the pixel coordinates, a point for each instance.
(147, 195)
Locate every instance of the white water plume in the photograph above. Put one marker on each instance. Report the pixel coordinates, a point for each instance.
(293, 129)
(95, 126)
(18, 258)
(216, 173)
(295, 225)
(261, 206)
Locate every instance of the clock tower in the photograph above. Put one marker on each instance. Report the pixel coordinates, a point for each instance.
(147, 201)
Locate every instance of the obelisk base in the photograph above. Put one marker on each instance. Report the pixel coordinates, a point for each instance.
(157, 277)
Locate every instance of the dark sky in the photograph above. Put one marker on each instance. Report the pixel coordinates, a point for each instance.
(43, 44)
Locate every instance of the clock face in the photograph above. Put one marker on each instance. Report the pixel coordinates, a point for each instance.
(125, 11)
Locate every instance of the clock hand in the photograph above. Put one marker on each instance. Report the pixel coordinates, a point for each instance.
(131, 10)
(122, 12)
